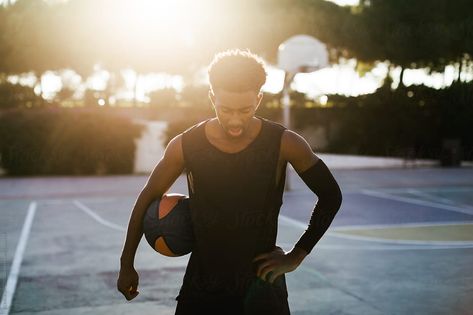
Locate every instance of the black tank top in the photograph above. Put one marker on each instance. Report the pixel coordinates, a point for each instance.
(234, 203)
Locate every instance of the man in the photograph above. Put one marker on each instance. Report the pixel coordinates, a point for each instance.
(235, 165)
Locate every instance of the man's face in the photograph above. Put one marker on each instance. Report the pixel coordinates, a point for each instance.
(235, 110)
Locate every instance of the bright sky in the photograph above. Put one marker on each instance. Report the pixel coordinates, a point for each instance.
(345, 2)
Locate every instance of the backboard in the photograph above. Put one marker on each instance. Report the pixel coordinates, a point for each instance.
(302, 53)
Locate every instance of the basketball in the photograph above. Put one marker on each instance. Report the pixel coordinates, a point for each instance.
(167, 225)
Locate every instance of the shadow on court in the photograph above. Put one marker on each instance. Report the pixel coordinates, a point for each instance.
(402, 243)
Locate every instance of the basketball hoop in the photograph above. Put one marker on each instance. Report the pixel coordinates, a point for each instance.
(302, 53)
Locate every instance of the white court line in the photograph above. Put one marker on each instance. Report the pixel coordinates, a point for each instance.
(378, 247)
(55, 201)
(418, 202)
(429, 189)
(430, 197)
(400, 241)
(435, 198)
(10, 287)
(431, 244)
(331, 230)
(397, 225)
(98, 218)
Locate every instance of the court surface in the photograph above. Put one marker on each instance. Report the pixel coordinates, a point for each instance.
(402, 243)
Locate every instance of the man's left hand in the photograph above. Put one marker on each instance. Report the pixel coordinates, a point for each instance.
(277, 262)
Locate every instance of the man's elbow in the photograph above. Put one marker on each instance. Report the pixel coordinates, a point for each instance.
(338, 198)
(334, 197)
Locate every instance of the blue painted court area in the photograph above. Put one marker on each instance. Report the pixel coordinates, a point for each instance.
(402, 243)
(378, 207)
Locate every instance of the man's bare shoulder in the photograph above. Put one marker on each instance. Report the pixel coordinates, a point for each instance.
(291, 142)
(176, 141)
(296, 150)
(174, 150)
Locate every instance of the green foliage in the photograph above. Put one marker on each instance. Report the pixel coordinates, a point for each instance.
(414, 118)
(420, 33)
(163, 98)
(35, 36)
(196, 96)
(64, 94)
(91, 98)
(66, 141)
(18, 96)
(4, 49)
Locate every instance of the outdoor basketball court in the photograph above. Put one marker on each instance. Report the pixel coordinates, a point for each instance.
(402, 243)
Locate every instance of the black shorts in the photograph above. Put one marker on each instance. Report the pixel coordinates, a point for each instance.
(233, 307)
(260, 298)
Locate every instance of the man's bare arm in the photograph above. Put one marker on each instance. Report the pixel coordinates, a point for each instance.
(319, 179)
(297, 151)
(161, 179)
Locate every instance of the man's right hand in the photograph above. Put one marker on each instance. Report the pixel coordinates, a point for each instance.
(127, 282)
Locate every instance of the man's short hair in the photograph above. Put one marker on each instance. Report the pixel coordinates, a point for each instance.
(237, 71)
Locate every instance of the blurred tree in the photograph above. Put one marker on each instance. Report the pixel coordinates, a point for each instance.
(119, 34)
(28, 40)
(411, 34)
(195, 96)
(64, 94)
(162, 98)
(18, 96)
(271, 100)
(298, 99)
(91, 98)
(3, 43)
